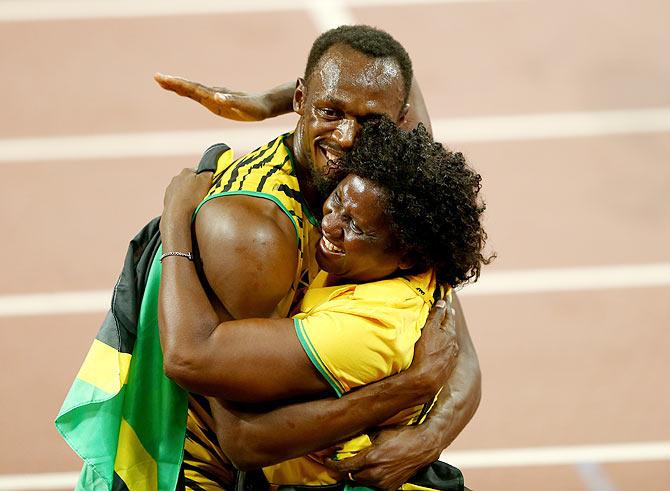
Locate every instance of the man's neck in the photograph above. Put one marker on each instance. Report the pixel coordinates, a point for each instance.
(308, 189)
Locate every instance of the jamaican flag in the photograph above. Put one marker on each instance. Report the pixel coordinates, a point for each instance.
(122, 415)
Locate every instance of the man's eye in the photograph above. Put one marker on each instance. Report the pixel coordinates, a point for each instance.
(354, 228)
(329, 113)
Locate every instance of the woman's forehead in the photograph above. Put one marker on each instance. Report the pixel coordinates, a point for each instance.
(363, 199)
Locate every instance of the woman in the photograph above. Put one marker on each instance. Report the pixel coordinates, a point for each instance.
(389, 238)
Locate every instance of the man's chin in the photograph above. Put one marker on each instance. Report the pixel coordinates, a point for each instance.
(325, 183)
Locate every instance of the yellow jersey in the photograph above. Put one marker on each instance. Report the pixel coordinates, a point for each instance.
(355, 335)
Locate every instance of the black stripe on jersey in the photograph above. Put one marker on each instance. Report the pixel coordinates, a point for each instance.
(243, 162)
(424, 410)
(258, 165)
(273, 170)
(191, 484)
(291, 193)
(298, 219)
(197, 440)
(200, 400)
(206, 473)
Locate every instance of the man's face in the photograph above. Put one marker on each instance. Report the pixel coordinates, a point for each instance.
(345, 87)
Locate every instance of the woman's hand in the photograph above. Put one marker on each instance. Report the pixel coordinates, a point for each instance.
(235, 105)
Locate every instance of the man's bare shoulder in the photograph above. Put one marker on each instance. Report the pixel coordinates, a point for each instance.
(248, 248)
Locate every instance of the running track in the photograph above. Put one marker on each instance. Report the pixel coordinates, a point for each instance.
(563, 107)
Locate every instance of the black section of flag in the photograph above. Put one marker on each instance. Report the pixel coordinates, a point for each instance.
(119, 329)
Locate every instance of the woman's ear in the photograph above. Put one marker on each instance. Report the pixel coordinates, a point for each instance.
(408, 261)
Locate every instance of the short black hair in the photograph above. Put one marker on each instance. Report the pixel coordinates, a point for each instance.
(368, 40)
(431, 197)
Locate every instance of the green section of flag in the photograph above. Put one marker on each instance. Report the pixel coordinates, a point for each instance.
(155, 406)
(88, 423)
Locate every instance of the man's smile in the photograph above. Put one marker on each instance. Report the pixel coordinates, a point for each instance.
(330, 152)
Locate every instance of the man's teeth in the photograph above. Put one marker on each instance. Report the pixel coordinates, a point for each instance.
(330, 155)
(330, 246)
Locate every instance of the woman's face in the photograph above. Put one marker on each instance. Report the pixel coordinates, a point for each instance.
(357, 243)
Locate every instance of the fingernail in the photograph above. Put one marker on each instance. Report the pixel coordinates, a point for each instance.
(440, 304)
(222, 97)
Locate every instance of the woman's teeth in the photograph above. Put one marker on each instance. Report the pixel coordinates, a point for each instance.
(330, 246)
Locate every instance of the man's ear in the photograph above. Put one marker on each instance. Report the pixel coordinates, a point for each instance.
(299, 96)
(403, 112)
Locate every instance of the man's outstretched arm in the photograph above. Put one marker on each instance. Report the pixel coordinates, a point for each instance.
(245, 106)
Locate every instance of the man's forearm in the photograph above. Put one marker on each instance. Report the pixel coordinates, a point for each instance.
(279, 99)
(252, 440)
(461, 394)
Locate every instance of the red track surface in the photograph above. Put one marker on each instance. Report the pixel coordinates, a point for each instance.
(567, 368)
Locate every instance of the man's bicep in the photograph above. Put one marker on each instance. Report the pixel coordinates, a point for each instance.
(249, 253)
(256, 360)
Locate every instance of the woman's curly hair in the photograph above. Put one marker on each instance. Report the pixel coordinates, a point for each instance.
(431, 197)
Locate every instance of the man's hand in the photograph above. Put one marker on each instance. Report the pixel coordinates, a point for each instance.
(238, 106)
(436, 351)
(394, 457)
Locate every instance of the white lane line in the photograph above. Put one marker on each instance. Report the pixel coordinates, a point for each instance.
(553, 125)
(52, 480)
(546, 456)
(126, 145)
(33, 10)
(327, 14)
(594, 477)
(493, 283)
(570, 279)
(81, 302)
(449, 130)
(463, 459)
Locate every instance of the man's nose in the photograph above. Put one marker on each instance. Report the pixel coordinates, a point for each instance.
(345, 133)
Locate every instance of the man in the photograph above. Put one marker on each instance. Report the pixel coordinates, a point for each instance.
(348, 77)
(255, 251)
